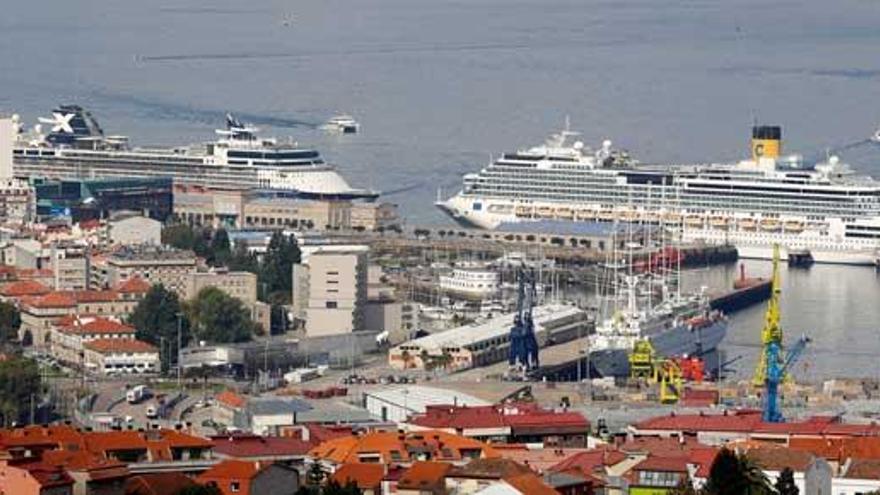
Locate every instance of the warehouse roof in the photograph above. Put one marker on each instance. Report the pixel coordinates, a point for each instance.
(417, 398)
(495, 327)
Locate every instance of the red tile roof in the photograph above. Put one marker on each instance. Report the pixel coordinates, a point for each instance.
(670, 464)
(365, 476)
(396, 447)
(231, 399)
(55, 299)
(46, 475)
(424, 476)
(107, 346)
(226, 472)
(839, 449)
(777, 458)
(95, 296)
(489, 469)
(134, 285)
(157, 484)
(510, 415)
(254, 446)
(24, 288)
(530, 484)
(95, 325)
(591, 461)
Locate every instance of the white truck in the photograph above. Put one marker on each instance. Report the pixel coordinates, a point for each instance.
(137, 394)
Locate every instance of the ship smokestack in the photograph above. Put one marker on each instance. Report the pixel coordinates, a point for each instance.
(766, 141)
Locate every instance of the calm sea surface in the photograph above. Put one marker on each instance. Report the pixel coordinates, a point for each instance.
(439, 86)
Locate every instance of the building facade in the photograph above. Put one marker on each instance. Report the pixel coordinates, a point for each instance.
(330, 289)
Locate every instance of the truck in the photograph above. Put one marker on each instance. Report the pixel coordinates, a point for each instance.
(137, 394)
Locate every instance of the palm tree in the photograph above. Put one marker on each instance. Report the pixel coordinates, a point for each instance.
(736, 474)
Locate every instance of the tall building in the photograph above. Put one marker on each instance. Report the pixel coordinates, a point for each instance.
(16, 196)
(7, 136)
(330, 289)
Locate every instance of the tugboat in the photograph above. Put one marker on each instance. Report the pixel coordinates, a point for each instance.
(800, 258)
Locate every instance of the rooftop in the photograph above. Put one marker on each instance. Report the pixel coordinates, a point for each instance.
(400, 448)
(255, 446)
(365, 476)
(106, 346)
(424, 475)
(495, 327)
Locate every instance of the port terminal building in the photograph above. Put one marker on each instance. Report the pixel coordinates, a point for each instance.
(487, 342)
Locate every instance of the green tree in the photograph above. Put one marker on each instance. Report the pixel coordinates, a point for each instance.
(180, 236)
(155, 320)
(733, 474)
(10, 321)
(207, 489)
(20, 386)
(219, 250)
(785, 483)
(242, 260)
(276, 271)
(218, 317)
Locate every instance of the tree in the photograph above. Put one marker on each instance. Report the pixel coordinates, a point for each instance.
(315, 475)
(219, 249)
(20, 387)
(276, 271)
(785, 483)
(218, 317)
(10, 321)
(242, 260)
(155, 320)
(180, 236)
(733, 474)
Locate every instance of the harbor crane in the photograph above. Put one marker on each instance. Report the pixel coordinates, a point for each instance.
(775, 363)
(777, 368)
(523, 343)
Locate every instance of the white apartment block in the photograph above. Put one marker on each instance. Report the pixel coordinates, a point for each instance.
(330, 289)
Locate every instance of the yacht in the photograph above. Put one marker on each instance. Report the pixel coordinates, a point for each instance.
(76, 147)
(825, 208)
(344, 124)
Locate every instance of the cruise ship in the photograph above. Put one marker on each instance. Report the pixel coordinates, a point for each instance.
(76, 147)
(824, 209)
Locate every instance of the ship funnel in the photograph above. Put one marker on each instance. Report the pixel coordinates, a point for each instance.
(766, 141)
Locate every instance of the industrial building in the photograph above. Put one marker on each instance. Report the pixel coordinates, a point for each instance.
(255, 209)
(94, 199)
(398, 403)
(481, 344)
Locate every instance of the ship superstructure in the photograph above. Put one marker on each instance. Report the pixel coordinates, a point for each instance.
(768, 199)
(76, 147)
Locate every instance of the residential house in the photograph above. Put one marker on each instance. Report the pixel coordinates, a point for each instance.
(33, 478)
(479, 474)
(812, 474)
(70, 332)
(289, 451)
(424, 478)
(400, 448)
(158, 484)
(367, 477)
(119, 356)
(233, 477)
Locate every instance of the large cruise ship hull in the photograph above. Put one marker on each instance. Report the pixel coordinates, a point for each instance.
(308, 183)
(830, 246)
(679, 341)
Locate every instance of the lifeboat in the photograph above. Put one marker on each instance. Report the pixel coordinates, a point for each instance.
(747, 224)
(794, 226)
(565, 213)
(606, 215)
(770, 224)
(585, 214)
(671, 217)
(694, 221)
(524, 211)
(718, 222)
(627, 215)
(544, 212)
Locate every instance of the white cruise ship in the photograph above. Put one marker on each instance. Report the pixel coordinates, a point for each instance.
(77, 148)
(768, 199)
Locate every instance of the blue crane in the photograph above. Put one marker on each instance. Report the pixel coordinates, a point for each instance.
(523, 344)
(776, 368)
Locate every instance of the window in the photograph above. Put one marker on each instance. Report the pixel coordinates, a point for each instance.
(331, 305)
(234, 486)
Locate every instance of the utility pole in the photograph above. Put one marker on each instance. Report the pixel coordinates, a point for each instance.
(179, 366)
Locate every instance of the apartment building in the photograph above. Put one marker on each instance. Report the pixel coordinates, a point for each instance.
(330, 289)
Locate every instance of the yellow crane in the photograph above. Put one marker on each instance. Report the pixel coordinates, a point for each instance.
(644, 364)
(772, 331)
